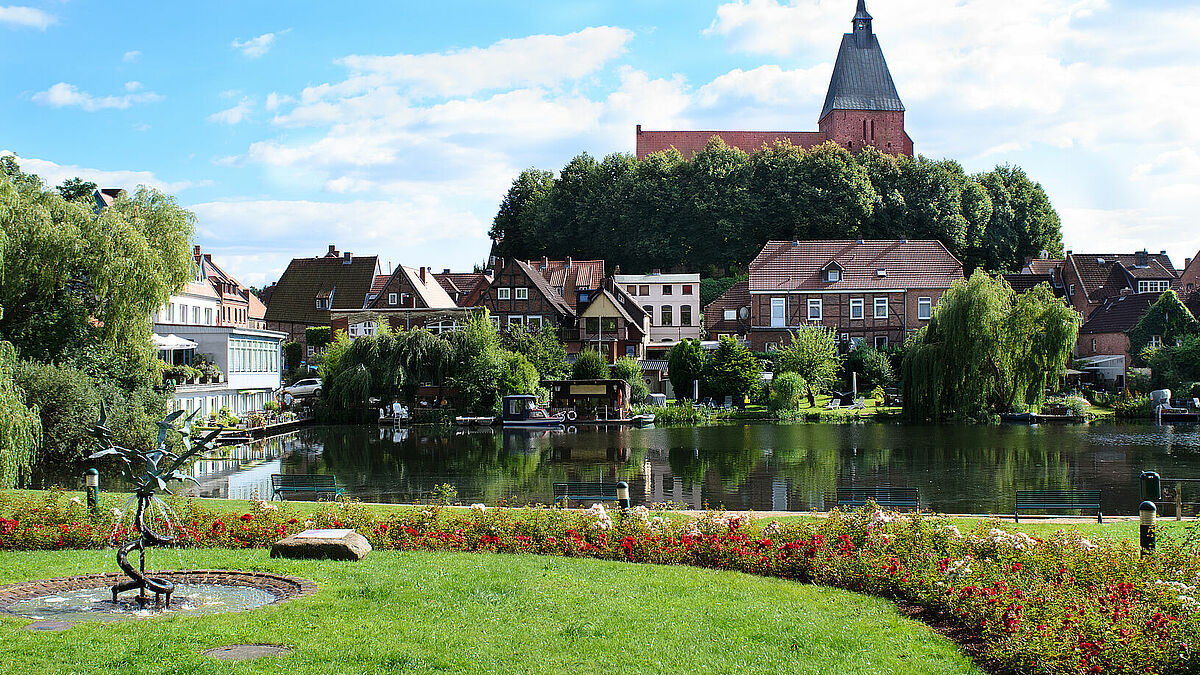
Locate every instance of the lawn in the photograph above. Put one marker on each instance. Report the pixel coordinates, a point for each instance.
(459, 612)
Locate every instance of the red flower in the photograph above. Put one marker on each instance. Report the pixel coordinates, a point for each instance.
(247, 517)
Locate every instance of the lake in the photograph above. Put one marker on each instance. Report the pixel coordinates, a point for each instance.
(781, 467)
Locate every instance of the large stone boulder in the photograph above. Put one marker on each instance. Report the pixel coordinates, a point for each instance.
(323, 545)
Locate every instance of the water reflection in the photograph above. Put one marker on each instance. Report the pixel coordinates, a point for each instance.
(758, 466)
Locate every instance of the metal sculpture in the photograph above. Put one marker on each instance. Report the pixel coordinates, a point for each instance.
(144, 470)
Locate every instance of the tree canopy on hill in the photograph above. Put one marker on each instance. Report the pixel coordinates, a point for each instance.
(714, 212)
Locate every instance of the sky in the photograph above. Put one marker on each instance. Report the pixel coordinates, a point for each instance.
(396, 128)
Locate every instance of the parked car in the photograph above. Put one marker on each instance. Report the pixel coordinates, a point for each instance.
(301, 388)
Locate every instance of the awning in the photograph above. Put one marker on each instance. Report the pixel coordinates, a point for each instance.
(171, 342)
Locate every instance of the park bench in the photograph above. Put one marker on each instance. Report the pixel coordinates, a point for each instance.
(886, 496)
(1052, 500)
(564, 492)
(305, 483)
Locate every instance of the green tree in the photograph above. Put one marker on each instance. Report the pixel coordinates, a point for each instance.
(1169, 320)
(629, 369)
(518, 375)
(786, 390)
(987, 350)
(20, 425)
(874, 368)
(812, 353)
(318, 337)
(731, 371)
(541, 347)
(685, 365)
(1176, 366)
(1022, 223)
(76, 188)
(517, 228)
(293, 354)
(589, 365)
(80, 285)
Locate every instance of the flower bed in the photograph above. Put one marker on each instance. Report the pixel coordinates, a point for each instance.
(1062, 604)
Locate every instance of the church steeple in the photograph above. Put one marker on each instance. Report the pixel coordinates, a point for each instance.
(862, 24)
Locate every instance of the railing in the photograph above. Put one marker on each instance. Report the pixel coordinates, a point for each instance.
(1173, 487)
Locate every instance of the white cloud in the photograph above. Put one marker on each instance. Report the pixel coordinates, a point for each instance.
(131, 56)
(274, 100)
(235, 114)
(64, 95)
(26, 17)
(54, 174)
(534, 61)
(133, 85)
(258, 46)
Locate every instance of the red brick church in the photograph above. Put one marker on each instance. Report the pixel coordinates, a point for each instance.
(861, 108)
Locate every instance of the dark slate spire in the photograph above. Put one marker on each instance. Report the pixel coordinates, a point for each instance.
(861, 80)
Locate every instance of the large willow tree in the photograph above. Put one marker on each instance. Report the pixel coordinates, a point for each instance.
(987, 350)
(20, 427)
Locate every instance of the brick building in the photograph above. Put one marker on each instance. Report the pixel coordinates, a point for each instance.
(729, 315)
(1189, 278)
(862, 108)
(875, 291)
(312, 288)
(1092, 278)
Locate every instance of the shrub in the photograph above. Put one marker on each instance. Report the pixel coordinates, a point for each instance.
(730, 371)
(1134, 406)
(874, 368)
(293, 354)
(685, 364)
(786, 390)
(627, 368)
(589, 365)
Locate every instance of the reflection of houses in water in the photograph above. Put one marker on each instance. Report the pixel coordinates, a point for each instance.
(659, 485)
(241, 471)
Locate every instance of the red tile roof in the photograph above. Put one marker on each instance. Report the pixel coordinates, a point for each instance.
(737, 297)
(866, 265)
(1106, 274)
(1118, 314)
(460, 285)
(379, 282)
(568, 276)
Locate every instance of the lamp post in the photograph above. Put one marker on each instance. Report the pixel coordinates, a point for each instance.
(1147, 511)
(92, 479)
(623, 495)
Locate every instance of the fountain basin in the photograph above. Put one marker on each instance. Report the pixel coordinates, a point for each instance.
(198, 592)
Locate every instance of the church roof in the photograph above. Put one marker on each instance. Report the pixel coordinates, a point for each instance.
(861, 80)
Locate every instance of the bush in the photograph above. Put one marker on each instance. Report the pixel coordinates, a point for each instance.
(1134, 406)
(589, 365)
(874, 368)
(786, 391)
(627, 368)
(318, 337)
(730, 371)
(293, 354)
(1058, 605)
(685, 365)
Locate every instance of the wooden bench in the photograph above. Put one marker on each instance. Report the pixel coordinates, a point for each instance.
(305, 483)
(564, 492)
(1051, 500)
(887, 496)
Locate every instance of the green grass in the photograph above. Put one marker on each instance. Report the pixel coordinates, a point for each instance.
(423, 612)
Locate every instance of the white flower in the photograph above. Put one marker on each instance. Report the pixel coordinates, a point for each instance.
(427, 513)
(75, 501)
(478, 508)
(881, 518)
(954, 532)
(772, 528)
(264, 505)
(117, 514)
(308, 524)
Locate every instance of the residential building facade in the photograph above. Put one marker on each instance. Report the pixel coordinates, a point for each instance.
(862, 108)
(729, 314)
(311, 289)
(407, 298)
(875, 291)
(672, 302)
(1092, 278)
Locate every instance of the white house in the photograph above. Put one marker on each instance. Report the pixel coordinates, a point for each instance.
(671, 300)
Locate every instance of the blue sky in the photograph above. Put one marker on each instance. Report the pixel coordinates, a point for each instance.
(395, 128)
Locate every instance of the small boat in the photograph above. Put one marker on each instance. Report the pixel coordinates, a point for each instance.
(523, 411)
(643, 420)
(474, 421)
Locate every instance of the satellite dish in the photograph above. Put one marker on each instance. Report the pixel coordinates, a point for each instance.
(744, 313)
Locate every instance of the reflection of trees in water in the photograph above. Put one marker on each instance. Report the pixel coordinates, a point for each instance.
(485, 466)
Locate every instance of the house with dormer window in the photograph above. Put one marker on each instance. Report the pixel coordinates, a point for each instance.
(312, 289)
(873, 291)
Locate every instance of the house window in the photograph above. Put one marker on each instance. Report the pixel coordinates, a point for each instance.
(196, 314)
(880, 341)
(643, 290)
(208, 316)
(666, 289)
(833, 274)
(515, 320)
(522, 293)
(778, 312)
(495, 322)
(391, 298)
(183, 314)
(685, 315)
(771, 347)
(730, 314)
(631, 351)
(583, 297)
(608, 324)
(856, 308)
(534, 322)
(405, 300)
(1153, 286)
(1093, 345)
(666, 315)
(687, 289)
(881, 308)
(1155, 341)
(924, 309)
(1071, 291)
(814, 309)
(632, 290)
(170, 312)
(311, 350)
(649, 312)
(502, 293)
(591, 324)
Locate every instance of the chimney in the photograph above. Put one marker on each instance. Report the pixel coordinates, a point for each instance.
(545, 262)
(639, 130)
(446, 270)
(1143, 257)
(1187, 262)
(346, 258)
(568, 261)
(332, 253)
(208, 257)
(422, 268)
(655, 272)
(196, 249)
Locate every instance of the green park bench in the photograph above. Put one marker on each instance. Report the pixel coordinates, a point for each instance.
(564, 492)
(317, 484)
(1057, 500)
(886, 496)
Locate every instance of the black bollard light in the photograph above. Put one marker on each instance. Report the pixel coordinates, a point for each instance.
(1147, 511)
(623, 495)
(92, 479)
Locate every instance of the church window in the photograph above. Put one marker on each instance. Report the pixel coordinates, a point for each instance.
(864, 128)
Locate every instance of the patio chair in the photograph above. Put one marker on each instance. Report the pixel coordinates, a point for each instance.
(728, 405)
(834, 404)
(859, 404)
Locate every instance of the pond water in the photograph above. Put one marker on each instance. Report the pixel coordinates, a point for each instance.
(794, 467)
